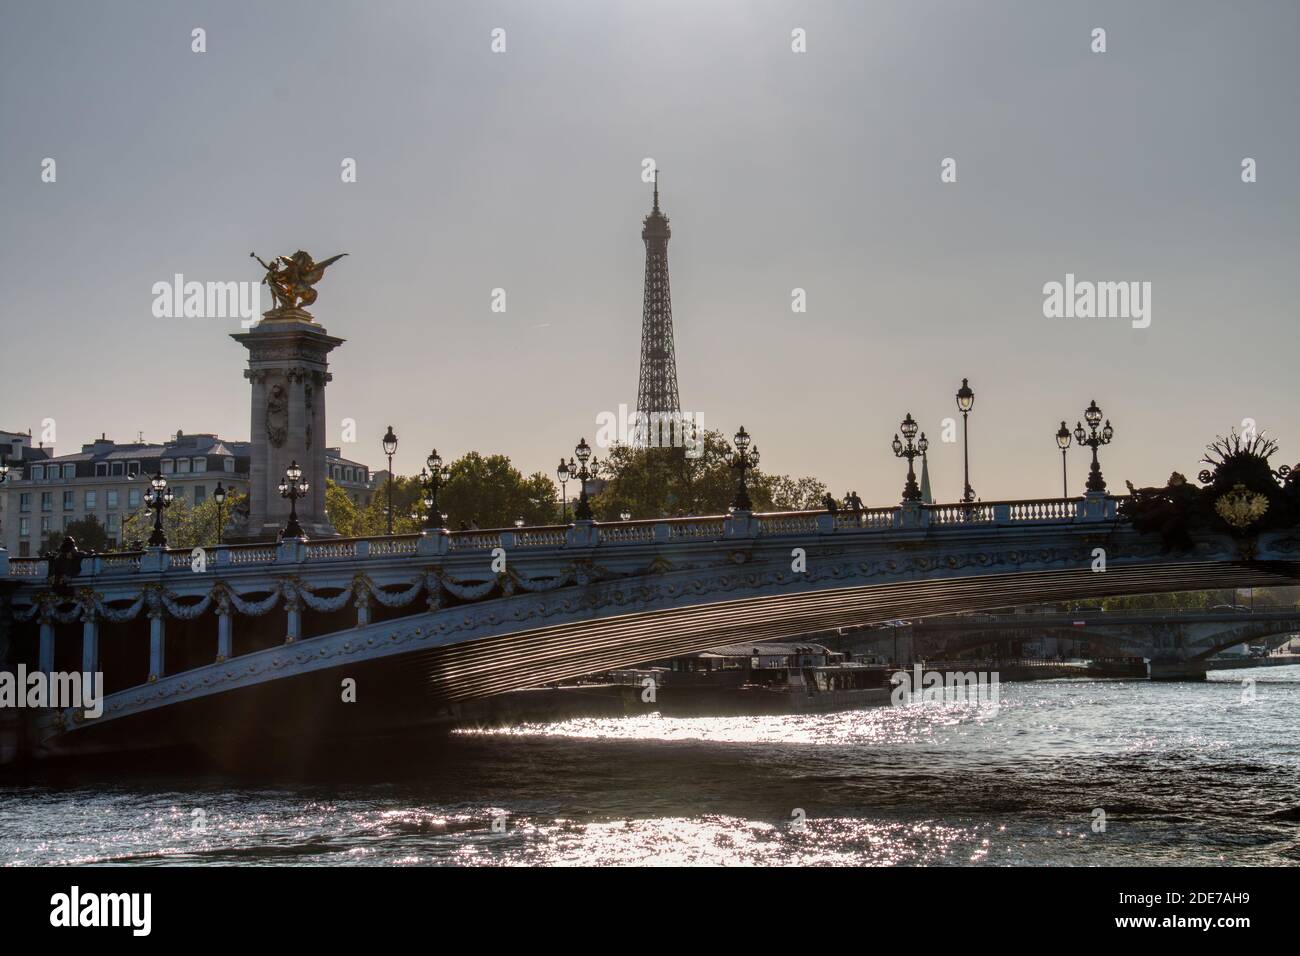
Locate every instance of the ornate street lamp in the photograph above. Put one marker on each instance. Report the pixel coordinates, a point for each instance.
(1094, 440)
(4, 471)
(433, 480)
(390, 449)
(293, 487)
(910, 451)
(583, 511)
(742, 461)
(625, 515)
(1063, 442)
(965, 402)
(158, 498)
(519, 522)
(219, 496)
(563, 474)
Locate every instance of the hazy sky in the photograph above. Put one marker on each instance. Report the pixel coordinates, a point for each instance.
(522, 170)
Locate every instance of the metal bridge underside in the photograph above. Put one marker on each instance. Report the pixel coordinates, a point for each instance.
(409, 688)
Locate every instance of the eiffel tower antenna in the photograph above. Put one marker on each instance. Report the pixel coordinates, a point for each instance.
(657, 385)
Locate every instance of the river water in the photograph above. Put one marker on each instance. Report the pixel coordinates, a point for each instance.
(1183, 773)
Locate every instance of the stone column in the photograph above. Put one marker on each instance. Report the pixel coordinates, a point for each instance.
(45, 656)
(288, 369)
(224, 637)
(157, 643)
(89, 640)
(293, 613)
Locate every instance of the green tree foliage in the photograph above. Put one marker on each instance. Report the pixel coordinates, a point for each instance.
(186, 525)
(486, 491)
(88, 533)
(796, 494)
(666, 483)
(492, 493)
(342, 512)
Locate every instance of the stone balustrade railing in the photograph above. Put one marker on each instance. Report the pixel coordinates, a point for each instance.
(909, 516)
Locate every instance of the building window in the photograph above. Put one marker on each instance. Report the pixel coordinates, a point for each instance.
(228, 464)
(200, 494)
(133, 468)
(47, 501)
(118, 468)
(179, 491)
(110, 499)
(101, 469)
(25, 501)
(69, 500)
(91, 500)
(200, 464)
(110, 523)
(165, 466)
(38, 472)
(24, 527)
(182, 465)
(24, 548)
(69, 471)
(133, 498)
(45, 525)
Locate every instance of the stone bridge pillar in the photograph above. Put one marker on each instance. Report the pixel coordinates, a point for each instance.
(288, 370)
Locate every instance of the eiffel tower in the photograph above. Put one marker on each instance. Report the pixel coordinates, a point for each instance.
(656, 393)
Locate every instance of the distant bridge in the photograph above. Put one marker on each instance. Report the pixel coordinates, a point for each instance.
(261, 639)
(1163, 636)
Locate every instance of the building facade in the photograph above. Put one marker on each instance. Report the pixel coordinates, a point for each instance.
(45, 493)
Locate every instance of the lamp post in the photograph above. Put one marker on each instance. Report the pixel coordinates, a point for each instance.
(910, 451)
(390, 448)
(625, 515)
(742, 461)
(583, 511)
(1063, 442)
(519, 522)
(433, 480)
(1094, 439)
(965, 402)
(563, 474)
(219, 496)
(293, 487)
(158, 498)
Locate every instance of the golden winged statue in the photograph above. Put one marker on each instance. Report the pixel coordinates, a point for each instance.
(291, 280)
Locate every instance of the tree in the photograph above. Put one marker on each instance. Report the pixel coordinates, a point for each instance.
(490, 492)
(186, 525)
(666, 483)
(87, 532)
(796, 494)
(486, 491)
(342, 512)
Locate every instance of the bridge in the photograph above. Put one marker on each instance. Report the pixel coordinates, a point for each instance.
(260, 639)
(1176, 642)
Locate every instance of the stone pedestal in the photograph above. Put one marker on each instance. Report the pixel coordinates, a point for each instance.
(288, 369)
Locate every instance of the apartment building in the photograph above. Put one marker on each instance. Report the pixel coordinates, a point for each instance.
(45, 492)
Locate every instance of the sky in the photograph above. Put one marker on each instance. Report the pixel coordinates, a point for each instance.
(522, 170)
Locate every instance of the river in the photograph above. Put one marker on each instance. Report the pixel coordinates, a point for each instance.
(1065, 772)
